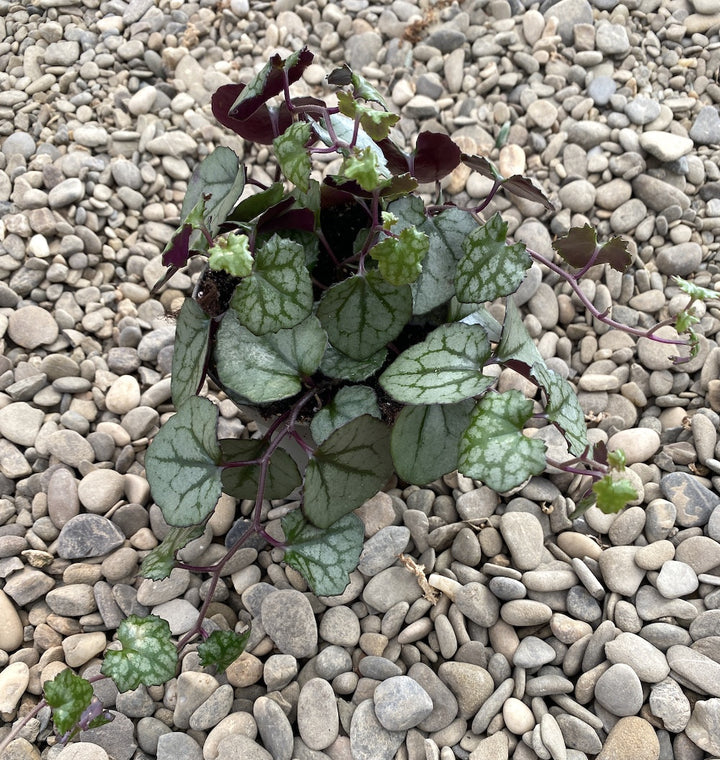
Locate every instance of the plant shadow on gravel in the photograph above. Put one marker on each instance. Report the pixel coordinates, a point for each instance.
(353, 307)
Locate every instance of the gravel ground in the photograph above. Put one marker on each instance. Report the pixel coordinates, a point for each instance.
(598, 638)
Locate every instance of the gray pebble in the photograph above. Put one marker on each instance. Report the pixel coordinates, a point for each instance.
(619, 690)
(369, 740)
(274, 728)
(288, 619)
(401, 703)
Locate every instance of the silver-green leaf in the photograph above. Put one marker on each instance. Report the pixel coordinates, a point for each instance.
(160, 561)
(148, 655)
(182, 464)
(489, 267)
(349, 402)
(364, 313)
(323, 557)
(352, 465)
(278, 294)
(425, 440)
(493, 448)
(446, 367)
(269, 367)
(192, 336)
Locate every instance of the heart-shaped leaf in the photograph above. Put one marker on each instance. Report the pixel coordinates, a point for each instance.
(415, 443)
(444, 368)
(364, 313)
(261, 127)
(613, 494)
(268, 367)
(148, 655)
(435, 156)
(222, 648)
(281, 479)
(161, 560)
(278, 294)
(489, 267)
(493, 448)
(349, 402)
(182, 464)
(192, 335)
(516, 345)
(350, 466)
(323, 557)
(69, 696)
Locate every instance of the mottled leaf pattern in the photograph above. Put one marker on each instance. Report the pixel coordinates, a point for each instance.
(148, 655)
(268, 367)
(446, 367)
(222, 648)
(489, 267)
(516, 343)
(562, 407)
(399, 257)
(363, 313)
(425, 440)
(278, 294)
(340, 366)
(352, 465)
(181, 464)
(291, 154)
(69, 695)
(493, 448)
(323, 557)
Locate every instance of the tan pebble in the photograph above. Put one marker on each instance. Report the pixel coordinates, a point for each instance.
(578, 545)
(638, 444)
(245, 670)
(631, 737)
(14, 679)
(568, 630)
(518, 716)
(653, 556)
(11, 630)
(82, 647)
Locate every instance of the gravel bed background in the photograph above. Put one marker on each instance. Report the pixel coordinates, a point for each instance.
(598, 638)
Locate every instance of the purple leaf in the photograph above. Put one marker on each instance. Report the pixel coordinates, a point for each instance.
(397, 161)
(524, 188)
(261, 127)
(580, 249)
(481, 165)
(436, 155)
(295, 219)
(178, 250)
(270, 82)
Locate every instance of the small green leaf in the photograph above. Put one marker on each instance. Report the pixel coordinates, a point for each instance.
(282, 476)
(580, 248)
(399, 257)
(376, 123)
(425, 440)
(349, 402)
(446, 367)
(363, 167)
(352, 465)
(192, 336)
(231, 254)
(269, 367)
(292, 155)
(161, 560)
(340, 366)
(69, 696)
(695, 292)
(616, 459)
(220, 177)
(182, 464)
(563, 407)
(364, 313)
(323, 557)
(278, 294)
(493, 448)
(148, 655)
(222, 648)
(489, 267)
(613, 494)
(685, 320)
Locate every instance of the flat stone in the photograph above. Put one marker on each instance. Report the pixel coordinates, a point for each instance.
(192, 690)
(665, 146)
(702, 553)
(703, 727)
(695, 668)
(14, 679)
(693, 501)
(478, 604)
(619, 690)
(317, 714)
(619, 571)
(401, 703)
(28, 585)
(390, 586)
(274, 728)
(177, 744)
(523, 534)
(631, 737)
(369, 740)
(88, 535)
(100, 490)
(471, 684)
(382, 549)
(639, 444)
(32, 326)
(648, 662)
(445, 705)
(676, 579)
(11, 631)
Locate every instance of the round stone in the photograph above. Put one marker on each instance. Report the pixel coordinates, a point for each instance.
(619, 690)
(123, 395)
(638, 445)
(99, 490)
(289, 621)
(31, 326)
(401, 703)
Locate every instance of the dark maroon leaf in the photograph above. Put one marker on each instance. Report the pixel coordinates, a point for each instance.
(294, 219)
(578, 246)
(481, 165)
(436, 155)
(178, 251)
(341, 76)
(262, 127)
(397, 161)
(600, 452)
(524, 188)
(615, 252)
(270, 82)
